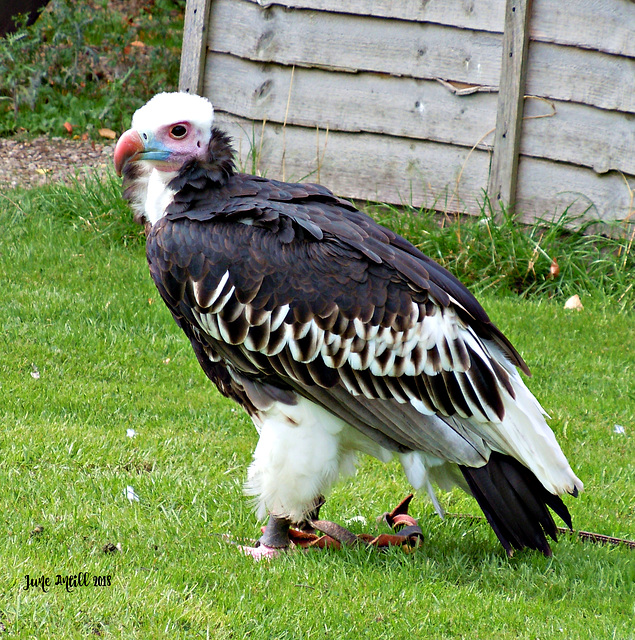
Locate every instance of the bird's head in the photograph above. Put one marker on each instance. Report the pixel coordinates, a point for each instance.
(171, 149)
(167, 132)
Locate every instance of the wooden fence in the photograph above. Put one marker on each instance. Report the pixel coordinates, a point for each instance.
(434, 103)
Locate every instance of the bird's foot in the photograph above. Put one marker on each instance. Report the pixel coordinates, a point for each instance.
(261, 552)
(278, 536)
(275, 540)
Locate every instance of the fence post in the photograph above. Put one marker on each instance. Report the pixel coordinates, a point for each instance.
(194, 46)
(504, 170)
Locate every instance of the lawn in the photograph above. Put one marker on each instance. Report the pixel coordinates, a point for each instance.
(90, 353)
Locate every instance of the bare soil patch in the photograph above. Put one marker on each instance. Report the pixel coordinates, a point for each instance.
(35, 162)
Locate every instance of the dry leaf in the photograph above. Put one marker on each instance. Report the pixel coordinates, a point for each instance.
(137, 43)
(574, 302)
(107, 133)
(69, 127)
(554, 269)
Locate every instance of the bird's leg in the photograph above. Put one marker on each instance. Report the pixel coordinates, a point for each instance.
(274, 539)
(276, 533)
(307, 524)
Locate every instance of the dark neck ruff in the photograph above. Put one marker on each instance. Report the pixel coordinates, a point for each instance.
(197, 175)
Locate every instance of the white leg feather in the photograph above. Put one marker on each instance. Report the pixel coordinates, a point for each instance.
(303, 450)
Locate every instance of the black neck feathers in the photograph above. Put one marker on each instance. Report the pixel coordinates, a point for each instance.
(213, 172)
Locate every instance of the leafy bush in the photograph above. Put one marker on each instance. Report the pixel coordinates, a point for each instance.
(88, 63)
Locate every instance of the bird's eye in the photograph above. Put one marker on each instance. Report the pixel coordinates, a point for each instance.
(178, 131)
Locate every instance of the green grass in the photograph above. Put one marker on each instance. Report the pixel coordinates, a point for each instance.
(492, 252)
(78, 307)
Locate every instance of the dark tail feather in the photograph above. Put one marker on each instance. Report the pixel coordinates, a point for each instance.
(515, 503)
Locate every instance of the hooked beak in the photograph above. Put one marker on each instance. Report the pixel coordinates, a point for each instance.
(128, 146)
(131, 147)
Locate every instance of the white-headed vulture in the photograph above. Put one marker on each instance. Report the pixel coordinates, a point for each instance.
(336, 335)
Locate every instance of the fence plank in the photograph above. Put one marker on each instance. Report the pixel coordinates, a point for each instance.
(590, 77)
(414, 136)
(419, 109)
(465, 14)
(595, 138)
(604, 25)
(343, 42)
(348, 166)
(363, 166)
(194, 46)
(502, 182)
(546, 189)
(375, 103)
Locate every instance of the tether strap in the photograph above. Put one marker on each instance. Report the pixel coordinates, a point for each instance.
(408, 532)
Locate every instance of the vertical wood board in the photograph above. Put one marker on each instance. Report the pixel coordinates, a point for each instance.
(502, 180)
(194, 46)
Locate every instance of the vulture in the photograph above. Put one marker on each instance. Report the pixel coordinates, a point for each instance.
(336, 335)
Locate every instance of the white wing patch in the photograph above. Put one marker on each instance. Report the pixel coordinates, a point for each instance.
(431, 343)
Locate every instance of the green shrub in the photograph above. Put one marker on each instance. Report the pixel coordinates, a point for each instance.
(90, 64)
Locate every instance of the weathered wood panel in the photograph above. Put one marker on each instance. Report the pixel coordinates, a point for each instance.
(546, 189)
(605, 25)
(194, 44)
(480, 15)
(418, 109)
(351, 43)
(377, 75)
(375, 103)
(348, 165)
(364, 166)
(589, 77)
(502, 180)
(576, 133)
